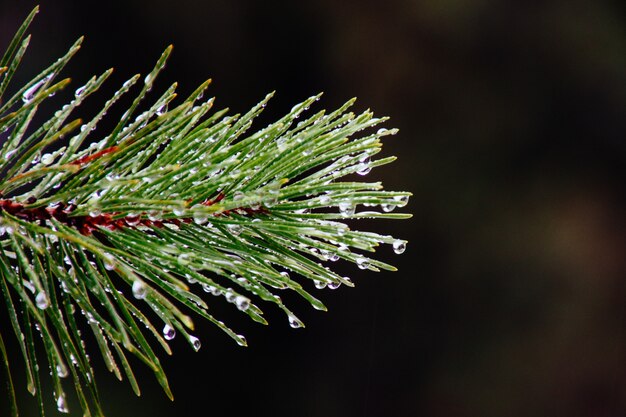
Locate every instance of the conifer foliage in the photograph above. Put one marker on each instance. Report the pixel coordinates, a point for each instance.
(110, 243)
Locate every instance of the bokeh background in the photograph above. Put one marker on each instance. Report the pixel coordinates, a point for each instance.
(510, 299)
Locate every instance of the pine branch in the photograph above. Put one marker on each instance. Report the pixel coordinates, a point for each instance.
(131, 229)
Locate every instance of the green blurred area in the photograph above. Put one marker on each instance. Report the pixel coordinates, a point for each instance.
(510, 300)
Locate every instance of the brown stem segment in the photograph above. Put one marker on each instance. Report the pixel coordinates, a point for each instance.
(86, 225)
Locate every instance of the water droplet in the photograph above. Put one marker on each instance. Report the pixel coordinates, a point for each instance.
(184, 258)
(133, 219)
(47, 159)
(387, 207)
(41, 301)
(94, 213)
(178, 210)
(139, 289)
(109, 262)
(319, 284)
(169, 332)
(402, 200)
(324, 199)
(195, 343)
(79, 91)
(362, 263)
(281, 144)
(9, 154)
(161, 109)
(381, 131)
(200, 217)
(334, 285)
(241, 340)
(399, 246)
(242, 303)
(285, 274)
(346, 208)
(28, 95)
(294, 322)
(333, 257)
(61, 370)
(230, 296)
(61, 405)
(234, 229)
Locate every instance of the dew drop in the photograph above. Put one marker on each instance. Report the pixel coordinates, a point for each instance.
(346, 208)
(184, 258)
(334, 285)
(61, 370)
(47, 159)
(41, 301)
(324, 199)
(241, 340)
(9, 154)
(399, 246)
(230, 296)
(294, 322)
(242, 303)
(320, 284)
(61, 405)
(195, 343)
(178, 210)
(363, 169)
(133, 219)
(382, 131)
(200, 217)
(169, 332)
(402, 200)
(161, 109)
(28, 95)
(387, 207)
(109, 262)
(79, 91)
(362, 263)
(139, 290)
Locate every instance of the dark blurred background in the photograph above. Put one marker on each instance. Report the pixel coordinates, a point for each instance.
(510, 299)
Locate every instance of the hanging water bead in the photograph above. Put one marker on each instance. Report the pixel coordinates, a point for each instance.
(387, 207)
(402, 200)
(62, 371)
(139, 290)
(362, 263)
(47, 159)
(184, 259)
(346, 208)
(364, 167)
(242, 303)
(241, 340)
(61, 404)
(109, 262)
(133, 219)
(334, 285)
(178, 210)
(169, 332)
(200, 217)
(319, 284)
(195, 343)
(294, 322)
(399, 246)
(41, 301)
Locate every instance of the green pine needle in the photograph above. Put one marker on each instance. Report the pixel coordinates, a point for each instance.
(177, 208)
